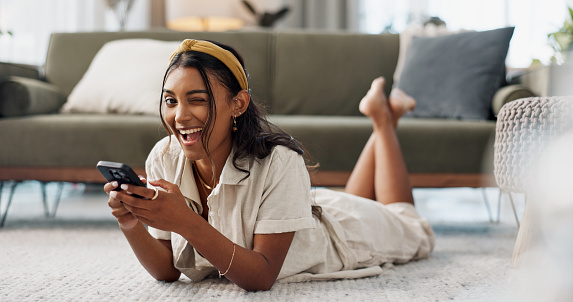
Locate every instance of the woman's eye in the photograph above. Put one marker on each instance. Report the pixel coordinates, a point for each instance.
(170, 101)
(197, 100)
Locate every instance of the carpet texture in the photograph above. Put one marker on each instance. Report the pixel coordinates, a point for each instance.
(91, 261)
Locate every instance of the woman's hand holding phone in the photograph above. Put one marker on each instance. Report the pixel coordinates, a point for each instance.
(168, 211)
(119, 176)
(124, 217)
(131, 201)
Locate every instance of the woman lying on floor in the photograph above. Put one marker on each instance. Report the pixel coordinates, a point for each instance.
(229, 192)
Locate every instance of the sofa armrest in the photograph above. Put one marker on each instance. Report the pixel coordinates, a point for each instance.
(25, 96)
(507, 94)
(20, 70)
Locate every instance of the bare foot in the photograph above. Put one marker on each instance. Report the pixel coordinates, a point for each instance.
(400, 103)
(375, 104)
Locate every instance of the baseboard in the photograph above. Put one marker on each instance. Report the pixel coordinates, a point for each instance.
(320, 178)
(417, 180)
(81, 175)
(452, 180)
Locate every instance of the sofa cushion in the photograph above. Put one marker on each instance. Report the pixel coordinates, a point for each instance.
(429, 145)
(70, 54)
(456, 76)
(445, 145)
(335, 142)
(25, 96)
(449, 146)
(20, 70)
(329, 73)
(124, 77)
(78, 140)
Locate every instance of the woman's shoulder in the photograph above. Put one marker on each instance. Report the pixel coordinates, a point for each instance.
(283, 153)
(279, 159)
(282, 159)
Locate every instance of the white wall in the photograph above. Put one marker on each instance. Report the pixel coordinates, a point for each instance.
(32, 22)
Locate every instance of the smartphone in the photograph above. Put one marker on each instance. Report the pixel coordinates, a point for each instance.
(119, 172)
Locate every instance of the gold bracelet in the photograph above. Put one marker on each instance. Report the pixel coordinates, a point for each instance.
(232, 257)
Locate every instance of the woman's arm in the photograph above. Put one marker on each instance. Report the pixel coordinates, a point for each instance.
(255, 269)
(251, 270)
(155, 255)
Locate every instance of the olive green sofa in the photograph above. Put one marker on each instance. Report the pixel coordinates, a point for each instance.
(310, 82)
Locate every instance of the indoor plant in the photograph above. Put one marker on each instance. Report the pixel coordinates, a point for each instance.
(562, 40)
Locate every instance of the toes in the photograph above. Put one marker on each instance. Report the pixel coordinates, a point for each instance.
(399, 93)
(378, 83)
(399, 98)
(375, 103)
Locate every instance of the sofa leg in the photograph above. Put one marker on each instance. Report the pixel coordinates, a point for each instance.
(486, 200)
(501, 193)
(13, 185)
(513, 208)
(47, 212)
(499, 196)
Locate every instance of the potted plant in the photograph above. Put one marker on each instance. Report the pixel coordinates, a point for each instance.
(562, 40)
(121, 9)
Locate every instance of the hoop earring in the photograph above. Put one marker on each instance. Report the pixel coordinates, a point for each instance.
(235, 123)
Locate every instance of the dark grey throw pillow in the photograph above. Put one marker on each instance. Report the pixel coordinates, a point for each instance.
(456, 76)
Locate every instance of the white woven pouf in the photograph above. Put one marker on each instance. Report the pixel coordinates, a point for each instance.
(524, 128)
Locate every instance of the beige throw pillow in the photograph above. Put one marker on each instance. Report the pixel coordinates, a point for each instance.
(125, 76)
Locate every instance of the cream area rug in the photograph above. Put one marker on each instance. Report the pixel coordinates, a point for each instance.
(57, 260)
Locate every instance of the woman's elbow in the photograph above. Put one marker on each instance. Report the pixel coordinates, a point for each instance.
(263, 285)
(169, 277)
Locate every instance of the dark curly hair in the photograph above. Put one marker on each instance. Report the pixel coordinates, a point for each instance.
(255, 135)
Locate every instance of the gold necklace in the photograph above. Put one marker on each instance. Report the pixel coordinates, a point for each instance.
(199, 176)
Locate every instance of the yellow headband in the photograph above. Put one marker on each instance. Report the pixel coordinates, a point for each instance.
(223, 55)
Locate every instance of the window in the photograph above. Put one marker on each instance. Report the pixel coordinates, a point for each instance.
(532, 19)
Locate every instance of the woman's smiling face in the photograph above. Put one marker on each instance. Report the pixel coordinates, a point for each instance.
(186, 110)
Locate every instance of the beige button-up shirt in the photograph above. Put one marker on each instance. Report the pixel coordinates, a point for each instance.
(275, 198)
